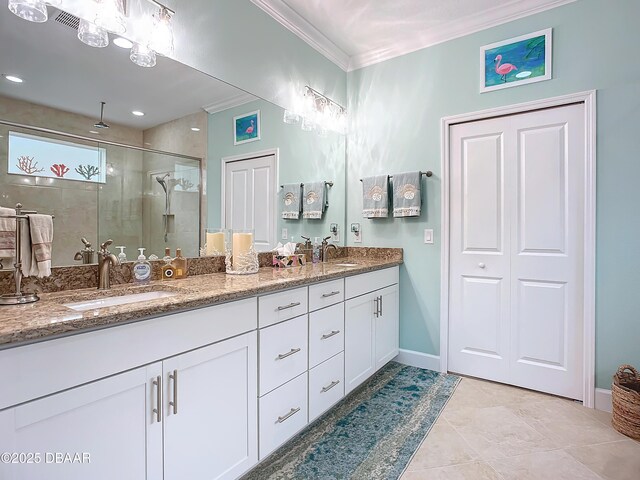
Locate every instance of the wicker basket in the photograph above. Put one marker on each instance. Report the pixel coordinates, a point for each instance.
(626, 401)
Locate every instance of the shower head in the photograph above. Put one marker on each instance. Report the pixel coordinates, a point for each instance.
(162, 181)
(101, 123)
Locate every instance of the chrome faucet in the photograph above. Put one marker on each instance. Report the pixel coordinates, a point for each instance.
(325, 249)
(105, 260)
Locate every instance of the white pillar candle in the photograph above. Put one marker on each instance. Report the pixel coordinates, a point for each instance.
(242, 243)
(215, 243)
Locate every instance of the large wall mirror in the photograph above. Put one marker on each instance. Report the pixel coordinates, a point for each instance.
(155, 180)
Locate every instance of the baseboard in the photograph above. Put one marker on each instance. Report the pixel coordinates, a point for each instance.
(603, 399)
(418, 359)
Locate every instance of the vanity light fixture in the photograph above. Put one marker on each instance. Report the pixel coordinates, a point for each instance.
(318, 112)
(92, 35)
(12, 78)
(31, 10)
(109, 15)
(138, 113)
(122, 42)
(142, 56)
(162, 31)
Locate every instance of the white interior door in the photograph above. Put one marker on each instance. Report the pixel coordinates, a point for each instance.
(517, 248)
(250, 191)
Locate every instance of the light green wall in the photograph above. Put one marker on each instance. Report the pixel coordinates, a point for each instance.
(397, 106)
(235, 41)
(303, 157)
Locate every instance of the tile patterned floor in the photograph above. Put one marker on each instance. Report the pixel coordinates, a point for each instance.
(490, 431)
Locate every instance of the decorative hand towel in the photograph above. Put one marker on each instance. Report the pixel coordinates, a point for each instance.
(375, 201)
(313, 200)
(29, 265)
(41, 227)
(290, 198)
(7, 234)
(407, 200)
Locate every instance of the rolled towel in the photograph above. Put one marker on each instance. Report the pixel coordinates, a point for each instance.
(41, 227)
(7, 235)
(290, 201)
(407, 201)
(313, 203)
(375, 196)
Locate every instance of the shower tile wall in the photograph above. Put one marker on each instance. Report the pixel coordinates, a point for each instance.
(74, 204)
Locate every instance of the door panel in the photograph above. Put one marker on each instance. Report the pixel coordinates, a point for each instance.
(250, 198)
(516, 251)
(359, 347)
(387, 329)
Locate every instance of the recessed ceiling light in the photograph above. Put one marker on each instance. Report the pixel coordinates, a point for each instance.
(195, 129)
(13, 78)
(122, 42)
(94, 132)
(138, 113)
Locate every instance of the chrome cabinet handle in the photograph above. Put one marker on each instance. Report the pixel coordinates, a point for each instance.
(377, 311)
(158, 410)
(325, 295)
(291, 305)
(481, 265)
(329, 335)
(330, 386)
(288, 415)
(381, 314)
(288, 354)
(174, 403)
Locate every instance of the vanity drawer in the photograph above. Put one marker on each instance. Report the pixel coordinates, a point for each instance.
(283, 413)
(325, 294)
(283, 352)
(326, 333)
(369, 282)
(326, 385)
(281, 306)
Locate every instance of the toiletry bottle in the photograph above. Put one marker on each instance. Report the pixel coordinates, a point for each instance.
(122, 257)
(168, 271)
(316, 250)
(180, 264)
(142, 268)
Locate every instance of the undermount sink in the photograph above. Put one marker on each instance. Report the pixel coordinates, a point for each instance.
(346, 264)
(119, 300)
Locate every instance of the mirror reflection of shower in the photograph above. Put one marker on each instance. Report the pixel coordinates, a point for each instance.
(167, 183)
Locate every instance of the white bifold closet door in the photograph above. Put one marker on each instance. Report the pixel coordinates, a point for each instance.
(517, 247)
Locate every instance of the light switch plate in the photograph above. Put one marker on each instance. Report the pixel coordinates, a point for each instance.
(335, 232)
(285, 234)
(357, 233)
(428, 235)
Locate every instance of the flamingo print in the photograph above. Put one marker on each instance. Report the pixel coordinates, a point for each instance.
(503, 69)
(249, 129)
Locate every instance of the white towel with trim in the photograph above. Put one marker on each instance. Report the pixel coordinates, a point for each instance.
(7, 236)
(41, 227)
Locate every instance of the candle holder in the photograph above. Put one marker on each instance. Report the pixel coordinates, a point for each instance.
(241, 257)
(215, 242)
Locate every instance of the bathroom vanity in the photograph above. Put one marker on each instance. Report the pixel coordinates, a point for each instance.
(204, 383)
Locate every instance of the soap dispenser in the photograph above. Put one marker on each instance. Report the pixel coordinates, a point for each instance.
(316, 250)
(122, 257)
(142, 268)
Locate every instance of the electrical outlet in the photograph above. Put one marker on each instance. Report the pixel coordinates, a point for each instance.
(285, 234)
(335, 233)
(357, 234)
(428, 236)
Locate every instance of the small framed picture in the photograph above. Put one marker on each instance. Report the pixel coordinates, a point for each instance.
(516, 61)
(246, 128)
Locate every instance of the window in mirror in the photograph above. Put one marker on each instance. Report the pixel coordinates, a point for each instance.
(52, 158)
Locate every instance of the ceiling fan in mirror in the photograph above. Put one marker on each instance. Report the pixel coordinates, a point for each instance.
(96, 19)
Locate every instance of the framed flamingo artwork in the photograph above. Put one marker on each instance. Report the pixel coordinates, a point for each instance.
(516, 61)
(246, 128)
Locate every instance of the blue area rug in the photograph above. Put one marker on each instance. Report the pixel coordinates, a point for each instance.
(371, 434)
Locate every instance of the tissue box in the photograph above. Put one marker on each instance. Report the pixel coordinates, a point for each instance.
(283, 261)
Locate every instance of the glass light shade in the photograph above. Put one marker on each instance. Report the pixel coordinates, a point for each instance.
(307, 124)
(110, 16)
(92, 35)
(54, 3)
(290, 117)
(142, 55)
(162, 33)
(31, 10)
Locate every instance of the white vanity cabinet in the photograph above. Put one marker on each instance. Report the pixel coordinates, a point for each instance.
(371, 324)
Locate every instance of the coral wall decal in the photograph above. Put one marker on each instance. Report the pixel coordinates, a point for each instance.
(59, 169)
(27, 165)
(88, 171)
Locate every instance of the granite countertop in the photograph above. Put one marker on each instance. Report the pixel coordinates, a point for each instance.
(49, 317)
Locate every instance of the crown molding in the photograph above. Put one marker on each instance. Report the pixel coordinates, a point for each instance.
(487, 19)
(229, 102)
(296, 24)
